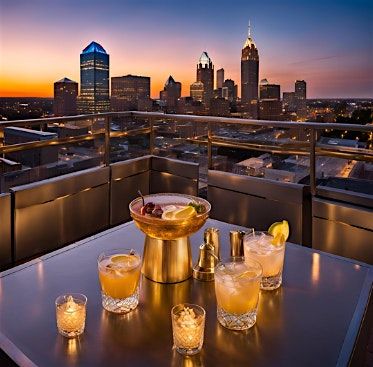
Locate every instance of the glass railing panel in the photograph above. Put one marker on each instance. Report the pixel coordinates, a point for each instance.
(183, 139)
(70, 127)
(275, 153)
(37, 163)
(123, 123)
(129, 147)
(344, 160)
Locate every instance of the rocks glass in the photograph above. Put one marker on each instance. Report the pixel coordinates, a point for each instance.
(261, 247)
(119, 272)
(237, 285)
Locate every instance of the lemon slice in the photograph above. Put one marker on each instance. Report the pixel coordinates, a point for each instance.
(179, 214)
(280, 232)
(128, 260)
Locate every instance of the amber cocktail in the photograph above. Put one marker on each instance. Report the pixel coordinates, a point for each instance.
(237, 285)
(119, 274)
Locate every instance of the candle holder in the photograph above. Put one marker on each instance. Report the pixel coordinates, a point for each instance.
(188, 325)
(71, 314)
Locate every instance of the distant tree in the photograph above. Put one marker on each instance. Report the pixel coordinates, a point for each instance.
(341, 108)
(359, 116)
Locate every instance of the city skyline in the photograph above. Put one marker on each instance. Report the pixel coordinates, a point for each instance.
(292, 43)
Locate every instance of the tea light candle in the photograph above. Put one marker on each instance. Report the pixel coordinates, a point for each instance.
(188, 323)
(71, 314)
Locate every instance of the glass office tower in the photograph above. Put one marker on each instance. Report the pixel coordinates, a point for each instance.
(94, 80)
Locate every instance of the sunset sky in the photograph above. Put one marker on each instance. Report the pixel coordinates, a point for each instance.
(327, 43)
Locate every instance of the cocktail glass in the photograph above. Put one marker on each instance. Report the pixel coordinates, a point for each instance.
(167, 253)
(260, 247)
(119, 273)
(237, 285)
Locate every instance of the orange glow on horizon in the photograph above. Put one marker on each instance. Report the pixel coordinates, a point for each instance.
(12, 87)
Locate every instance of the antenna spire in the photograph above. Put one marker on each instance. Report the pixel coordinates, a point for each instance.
(249, 29)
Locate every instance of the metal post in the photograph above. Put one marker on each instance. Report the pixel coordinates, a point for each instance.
(313, 162)
(107, 141)
(151, 136)
(209, 146)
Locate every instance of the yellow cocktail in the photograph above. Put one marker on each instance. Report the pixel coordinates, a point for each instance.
(119, 274)
(237, 285)
(262, 247)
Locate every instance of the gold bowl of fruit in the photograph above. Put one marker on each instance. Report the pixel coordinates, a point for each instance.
(169, 216)
(167, 221)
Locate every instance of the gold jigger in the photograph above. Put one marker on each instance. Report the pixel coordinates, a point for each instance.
(167, 261)
(204, 269)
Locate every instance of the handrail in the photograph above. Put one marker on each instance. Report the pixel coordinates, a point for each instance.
(303, 148)
(252, 122)
(195, 118)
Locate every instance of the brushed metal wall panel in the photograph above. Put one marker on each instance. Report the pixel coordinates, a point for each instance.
(345, 213)
(349, 197)
(5, 230)
(44, 226)
(342, 239)
(130, 168)
(175, 167)
(37, 229)
(123, 192)
(254, 212)
(268, 189)
(167, 182)
(85, 213)
(51, 189)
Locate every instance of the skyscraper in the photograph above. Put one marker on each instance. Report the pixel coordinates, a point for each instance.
(231, 90)
(205, 75)
(171, 93)
(289, 101)
(300, 89)
(65, 95)
(249, 70)
(301, 99)
(197, 91)
(94, 79)
(219, 78)
(127, 91)
(269, 91)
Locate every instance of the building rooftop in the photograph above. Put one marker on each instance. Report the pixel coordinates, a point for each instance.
(94, 47)
(65, 80)
(170, 80)
(28, 132)
(249, 41)
(204, 59)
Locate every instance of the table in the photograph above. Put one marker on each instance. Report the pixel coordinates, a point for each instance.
(313, 320)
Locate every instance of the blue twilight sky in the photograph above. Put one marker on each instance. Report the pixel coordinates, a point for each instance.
(327, 43)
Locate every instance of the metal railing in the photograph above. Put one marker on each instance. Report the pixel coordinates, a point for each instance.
(306, 147)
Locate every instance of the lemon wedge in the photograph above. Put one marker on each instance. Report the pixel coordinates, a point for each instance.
(280, 232)
(180, 214)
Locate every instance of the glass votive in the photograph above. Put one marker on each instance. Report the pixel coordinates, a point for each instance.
(71, 314)
(188, 326)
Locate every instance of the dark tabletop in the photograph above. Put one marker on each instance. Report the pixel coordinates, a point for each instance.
(312, 320)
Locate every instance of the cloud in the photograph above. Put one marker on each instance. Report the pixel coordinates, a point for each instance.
(308, 61)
